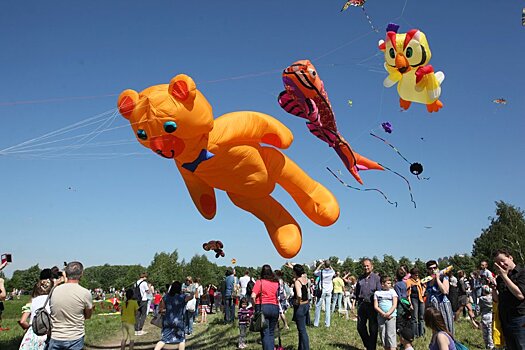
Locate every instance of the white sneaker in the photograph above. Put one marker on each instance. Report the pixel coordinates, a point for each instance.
(136, 332)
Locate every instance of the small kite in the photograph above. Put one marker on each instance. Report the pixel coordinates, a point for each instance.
(406, 61)
(361, 4)
(523, 17)
(216, 246)
(305, 96)
(387, 127)
(234, 261)
(500, 101)
(350, 103)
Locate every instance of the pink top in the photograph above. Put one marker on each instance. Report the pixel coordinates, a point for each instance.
(269, 292)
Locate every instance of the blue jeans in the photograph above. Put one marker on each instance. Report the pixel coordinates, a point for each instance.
(337, 297)
(301, 312)
(77, 344)
(513, 331)
(229, 309)
(327, 298)
(418, 310)
(271, 314)
(188, 320)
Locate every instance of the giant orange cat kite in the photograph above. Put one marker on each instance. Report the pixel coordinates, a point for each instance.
(176, 121)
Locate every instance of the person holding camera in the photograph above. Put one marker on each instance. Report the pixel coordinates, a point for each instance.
(325, 273)
(367, 284)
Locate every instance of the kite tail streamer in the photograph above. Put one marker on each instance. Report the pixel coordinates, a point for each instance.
(393, 147)
(360, 189)
(369, 20)
(404, 178)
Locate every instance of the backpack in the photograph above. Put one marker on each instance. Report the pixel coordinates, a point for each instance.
(41, 323)
(137, 295)
(460, 346)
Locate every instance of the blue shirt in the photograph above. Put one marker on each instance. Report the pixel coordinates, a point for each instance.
(229, 283)
(401, 289)
(366, 286)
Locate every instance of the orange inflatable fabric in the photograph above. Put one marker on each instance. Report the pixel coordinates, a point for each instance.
(176, 121)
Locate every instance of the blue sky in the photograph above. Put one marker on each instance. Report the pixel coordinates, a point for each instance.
(113, 201)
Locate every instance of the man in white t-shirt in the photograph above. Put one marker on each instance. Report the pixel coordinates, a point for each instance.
(70, 305)
(243, 283)
(325, 273)
(143, 303)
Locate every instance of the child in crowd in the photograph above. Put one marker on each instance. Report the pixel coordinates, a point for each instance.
(485, 307)
(245, 316)
(129, 309)
(406, 335)
(441, 337)
(204, 307)
(385, 303)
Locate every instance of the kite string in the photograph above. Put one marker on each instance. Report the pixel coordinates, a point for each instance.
(392, 146)
(404, 178)
(361, 189)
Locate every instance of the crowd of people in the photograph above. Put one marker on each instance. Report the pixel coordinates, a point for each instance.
(395, 309)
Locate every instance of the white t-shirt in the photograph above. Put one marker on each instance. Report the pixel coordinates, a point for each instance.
(144, 289)
(199, 291)
(37, 303)
(385, 300)
(68, 302)
(328, 275)
(243, 282)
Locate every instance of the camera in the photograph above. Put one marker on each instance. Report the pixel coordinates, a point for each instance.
(7, 258)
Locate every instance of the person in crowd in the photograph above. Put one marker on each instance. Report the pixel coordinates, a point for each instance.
(127, 318)
(204, 306)
(406, 337)
(173, 306)
(211, 296)
(485, 307)
(403, 315)
(475, 283)
(189, 288)
(264, 295)
(463, 301)
(301, 309)
(351, 283)
(229, 302)
(486, 276)
(437, 291)
(157, 297)
(417, 306)
(199, 291)
(71, 304)
(325, 273)
(245, 316)
(442, 338)
(149, 296)
(385, 304)
(243, 283)
(40, 293)
(367, 284)
(3, 294)
(283, 298)
(142, 299)
(337, 288)
(453, 291)
(510, 296)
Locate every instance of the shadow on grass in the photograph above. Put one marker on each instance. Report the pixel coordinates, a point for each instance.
(11, 344)
(138, 345)
(344, 346)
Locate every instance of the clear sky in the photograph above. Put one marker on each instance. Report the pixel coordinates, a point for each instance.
(96, 195)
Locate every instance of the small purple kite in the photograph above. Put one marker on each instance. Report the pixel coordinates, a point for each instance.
(387, 127)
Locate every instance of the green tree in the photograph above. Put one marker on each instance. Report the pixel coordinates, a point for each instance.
(25, 279)
(506, 230)
(200, 267)
(165, 269)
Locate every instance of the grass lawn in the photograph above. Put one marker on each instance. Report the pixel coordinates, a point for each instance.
(103, 332)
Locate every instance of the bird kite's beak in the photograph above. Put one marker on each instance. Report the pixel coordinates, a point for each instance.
(402, 64)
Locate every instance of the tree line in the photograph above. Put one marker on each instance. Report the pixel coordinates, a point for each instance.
(506, 230)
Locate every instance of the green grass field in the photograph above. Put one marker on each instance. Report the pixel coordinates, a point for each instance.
(103, 332)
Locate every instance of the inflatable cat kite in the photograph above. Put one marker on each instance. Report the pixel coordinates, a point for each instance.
(176, 122)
